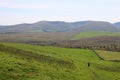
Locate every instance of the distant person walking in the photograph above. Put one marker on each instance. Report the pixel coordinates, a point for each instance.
(88, 64)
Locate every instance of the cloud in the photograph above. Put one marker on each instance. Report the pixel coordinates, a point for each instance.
(23, 5)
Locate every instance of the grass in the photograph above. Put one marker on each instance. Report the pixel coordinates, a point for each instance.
(109, 55)
(24, 62)
(82, 35)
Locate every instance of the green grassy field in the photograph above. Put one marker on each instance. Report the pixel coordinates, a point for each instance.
(94, 34)
(28, 62)
(109, 55)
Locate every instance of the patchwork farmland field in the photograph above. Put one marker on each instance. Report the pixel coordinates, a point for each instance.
(109, 55)
(83, 35)
(28, 62)
(67, 39)
(36, 36)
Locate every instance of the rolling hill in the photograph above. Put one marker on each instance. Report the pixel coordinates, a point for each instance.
(117, 25)
(28, 62)
(97, 26)
(59, 26)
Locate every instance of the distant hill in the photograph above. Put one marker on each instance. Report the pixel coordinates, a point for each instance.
(16, 28)
(79, 23)
(53, 26)
(117, 25)
(45, 26)
(97, 26)
(60, 26)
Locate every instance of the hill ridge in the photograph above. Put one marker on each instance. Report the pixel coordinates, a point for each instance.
(60, 26)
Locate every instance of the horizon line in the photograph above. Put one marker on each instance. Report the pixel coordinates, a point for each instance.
(56, 21)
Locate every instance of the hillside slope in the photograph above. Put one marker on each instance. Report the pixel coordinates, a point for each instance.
(97, 26)
(117, 25)
(59, 26)
(53, 63)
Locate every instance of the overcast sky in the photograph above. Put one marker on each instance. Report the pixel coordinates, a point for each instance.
(29, 11)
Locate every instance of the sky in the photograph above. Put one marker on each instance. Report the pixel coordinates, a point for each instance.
(30, 11)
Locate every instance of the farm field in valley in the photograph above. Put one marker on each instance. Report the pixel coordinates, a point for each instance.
(109, 55)
(83, 35)
(37, 36)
